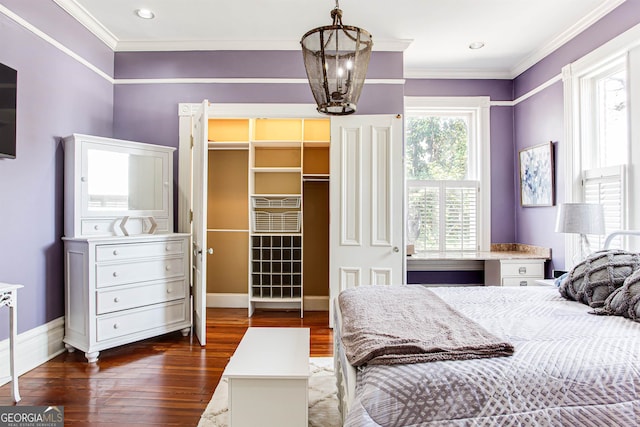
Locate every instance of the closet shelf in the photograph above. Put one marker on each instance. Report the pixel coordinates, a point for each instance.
(228, 145)
(277, 170)
(276, 202)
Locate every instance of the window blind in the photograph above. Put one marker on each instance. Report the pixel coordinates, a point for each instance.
(443, 215)
(607, 187)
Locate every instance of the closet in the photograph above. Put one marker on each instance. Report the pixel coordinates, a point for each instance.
(268, 210)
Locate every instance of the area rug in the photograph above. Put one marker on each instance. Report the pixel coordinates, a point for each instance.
(323, 400)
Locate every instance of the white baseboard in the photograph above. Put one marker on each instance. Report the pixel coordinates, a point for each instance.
(227, 300)
(33, 348)
(311, 303)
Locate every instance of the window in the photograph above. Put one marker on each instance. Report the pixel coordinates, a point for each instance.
(604, 143)
(445, 172)
(599, 154)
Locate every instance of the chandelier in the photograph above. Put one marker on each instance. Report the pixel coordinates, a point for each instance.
(336, 58)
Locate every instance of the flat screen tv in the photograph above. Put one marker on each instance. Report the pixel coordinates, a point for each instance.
(8, 95)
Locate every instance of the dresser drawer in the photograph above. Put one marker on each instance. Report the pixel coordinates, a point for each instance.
(519, 281)
(138, 250)
(140, 271)
(131, 296)
(523, 268)
(96, 227)
(138, 320)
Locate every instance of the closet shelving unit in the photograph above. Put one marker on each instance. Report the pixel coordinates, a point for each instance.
(259, 172)
(275, 186)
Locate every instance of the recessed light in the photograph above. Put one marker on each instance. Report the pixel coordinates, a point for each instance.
(145, 14)
(476, 45)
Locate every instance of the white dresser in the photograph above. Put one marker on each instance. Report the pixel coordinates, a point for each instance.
(126, 274)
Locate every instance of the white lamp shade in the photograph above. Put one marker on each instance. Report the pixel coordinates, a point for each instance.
(580, 218)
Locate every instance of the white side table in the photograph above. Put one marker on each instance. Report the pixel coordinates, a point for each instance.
(9, 298)
(268, 378)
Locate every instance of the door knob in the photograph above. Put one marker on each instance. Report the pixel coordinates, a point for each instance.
(395, 249)
(210, 251)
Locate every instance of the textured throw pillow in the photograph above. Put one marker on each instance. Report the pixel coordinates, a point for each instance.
(625, 301)
(594, 279)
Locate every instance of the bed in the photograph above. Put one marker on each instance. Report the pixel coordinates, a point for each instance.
(569, 367)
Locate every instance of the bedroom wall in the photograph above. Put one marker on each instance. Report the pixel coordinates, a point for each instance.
(540, 119)
(57, 95)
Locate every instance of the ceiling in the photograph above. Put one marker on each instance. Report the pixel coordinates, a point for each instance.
(434, 34)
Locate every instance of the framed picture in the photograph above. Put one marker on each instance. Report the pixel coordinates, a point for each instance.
(537, 176)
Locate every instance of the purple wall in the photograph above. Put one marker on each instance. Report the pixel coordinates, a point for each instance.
(502, 166)
(56, 96)
(539, 119)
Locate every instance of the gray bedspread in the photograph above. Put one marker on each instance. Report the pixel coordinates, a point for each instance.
(385, 325)
(570, 368)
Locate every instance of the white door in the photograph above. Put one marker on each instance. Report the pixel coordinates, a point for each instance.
(366, 208)
(199, 224)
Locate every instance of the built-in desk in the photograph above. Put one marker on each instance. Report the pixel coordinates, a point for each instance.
(505, 265)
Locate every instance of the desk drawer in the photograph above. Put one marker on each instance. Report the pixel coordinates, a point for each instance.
(523, 268)
(139, 250)
(138, 320)
(519, 281)
(131, 296)
(140, 271)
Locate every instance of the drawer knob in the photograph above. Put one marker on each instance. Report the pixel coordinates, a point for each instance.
(522, 270)
(167, 248)
(169, 290)
(523, 283)
(96, 227)
(115, 252)
(116, 299)
(115, 274)
(116, 326)
(168, 267)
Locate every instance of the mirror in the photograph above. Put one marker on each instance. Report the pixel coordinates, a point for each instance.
(122, 181)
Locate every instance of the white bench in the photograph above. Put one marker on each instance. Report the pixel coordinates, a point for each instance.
(268, 377)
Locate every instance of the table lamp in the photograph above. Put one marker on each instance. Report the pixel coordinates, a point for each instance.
(582, 219)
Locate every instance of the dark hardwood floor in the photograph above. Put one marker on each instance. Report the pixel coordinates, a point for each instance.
(163, 381)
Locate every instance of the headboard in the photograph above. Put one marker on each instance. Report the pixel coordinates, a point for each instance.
(615, 234)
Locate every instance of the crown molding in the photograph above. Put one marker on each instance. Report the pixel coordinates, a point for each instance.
(92, 24)
(53, 42)
(185, 45)
(595, 15)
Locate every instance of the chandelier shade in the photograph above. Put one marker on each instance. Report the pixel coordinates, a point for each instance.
(336, 58)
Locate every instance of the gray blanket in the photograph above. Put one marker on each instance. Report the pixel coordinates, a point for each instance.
(385, 325)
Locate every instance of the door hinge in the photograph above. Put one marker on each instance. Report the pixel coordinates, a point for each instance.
(190, 215)
(191, 141)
